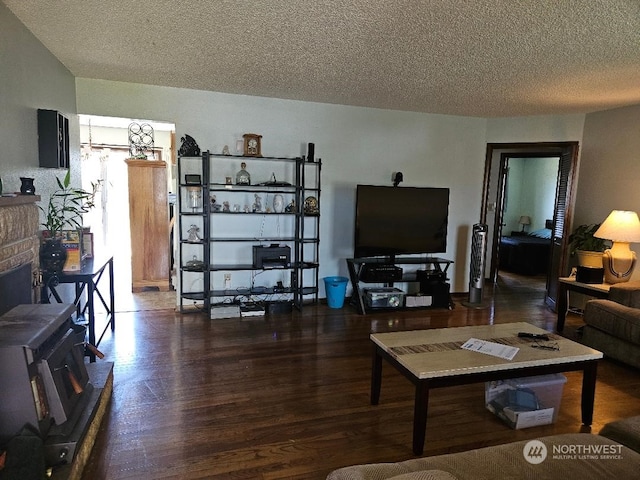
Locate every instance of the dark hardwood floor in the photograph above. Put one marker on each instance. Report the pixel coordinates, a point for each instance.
(287, 397)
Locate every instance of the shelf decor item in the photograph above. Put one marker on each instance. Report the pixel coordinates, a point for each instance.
(252, 145)
(189, 147)
(193, 234)
(278, 203)
(311, 206)
(243, 177)
(195, 197)
(27, 187)
(192, 179)
(195, 264)
(291, 207)
(141, 140)
(257, 204)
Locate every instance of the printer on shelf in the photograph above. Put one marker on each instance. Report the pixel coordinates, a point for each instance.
(271, 256)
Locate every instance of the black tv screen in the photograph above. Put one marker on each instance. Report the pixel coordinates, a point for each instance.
(400, 220)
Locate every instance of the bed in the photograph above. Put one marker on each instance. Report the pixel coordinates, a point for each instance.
(526, 254)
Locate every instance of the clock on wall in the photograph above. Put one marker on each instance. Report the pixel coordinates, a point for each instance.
(252, 146)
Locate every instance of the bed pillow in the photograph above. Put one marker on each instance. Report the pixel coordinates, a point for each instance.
(542, 233)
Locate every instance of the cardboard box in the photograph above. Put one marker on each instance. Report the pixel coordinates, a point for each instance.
(225, 310)
(418, 301)
(526, 402)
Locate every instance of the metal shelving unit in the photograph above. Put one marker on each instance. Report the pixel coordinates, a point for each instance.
(228, 227)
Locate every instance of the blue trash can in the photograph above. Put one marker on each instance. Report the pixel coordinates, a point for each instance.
(336, 288)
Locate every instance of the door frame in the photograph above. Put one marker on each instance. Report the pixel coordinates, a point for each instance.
(493, 191)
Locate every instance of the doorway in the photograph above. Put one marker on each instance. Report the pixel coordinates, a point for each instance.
(493, 201)
(526, 210)
(104, 148)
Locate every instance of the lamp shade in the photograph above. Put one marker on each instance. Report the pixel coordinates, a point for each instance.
(525, 220)
(620, 226)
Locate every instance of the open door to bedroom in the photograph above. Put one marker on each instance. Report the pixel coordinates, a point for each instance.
(526, 206)
(497, 213)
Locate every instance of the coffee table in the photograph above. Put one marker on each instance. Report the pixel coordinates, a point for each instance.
(433, 358)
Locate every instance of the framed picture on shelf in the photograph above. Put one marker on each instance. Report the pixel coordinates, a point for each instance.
(192, 179)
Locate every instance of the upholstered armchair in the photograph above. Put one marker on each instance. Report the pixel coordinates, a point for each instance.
(613, 325)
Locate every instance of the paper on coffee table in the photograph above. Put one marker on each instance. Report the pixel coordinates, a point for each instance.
(490, 348)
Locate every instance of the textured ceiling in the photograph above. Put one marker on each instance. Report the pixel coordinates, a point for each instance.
(482, 58)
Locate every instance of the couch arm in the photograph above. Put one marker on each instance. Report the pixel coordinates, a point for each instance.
(625, 431)
(617, 320)
(626, 293)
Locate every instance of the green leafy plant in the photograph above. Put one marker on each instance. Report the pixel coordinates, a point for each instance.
(582, 239)
(67, 205)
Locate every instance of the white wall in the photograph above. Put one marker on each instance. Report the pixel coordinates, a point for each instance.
(531, 191)
(30, 78)
(542, 175)
(357, 145)
(513, 196)
(610, 167)
(540, 128)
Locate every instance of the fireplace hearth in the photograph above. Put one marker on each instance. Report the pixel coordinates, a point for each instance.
(16, 287)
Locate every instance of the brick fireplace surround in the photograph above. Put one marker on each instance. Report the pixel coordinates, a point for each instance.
(19, 242)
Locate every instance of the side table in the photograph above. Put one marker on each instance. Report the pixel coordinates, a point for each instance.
(88, 277)
(569, 284)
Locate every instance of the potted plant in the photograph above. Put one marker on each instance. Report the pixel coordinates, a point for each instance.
(64, 211)
(587, 248)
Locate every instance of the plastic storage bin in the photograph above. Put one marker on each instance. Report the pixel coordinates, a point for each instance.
(526, 402)
(336, 288)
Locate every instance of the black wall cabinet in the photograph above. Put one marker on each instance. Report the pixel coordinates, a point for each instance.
(53, 139)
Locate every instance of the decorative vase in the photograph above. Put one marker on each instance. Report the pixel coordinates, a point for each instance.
(278, 203)
(195, 197)
(243, 177)
(27, 187)
(52, 255)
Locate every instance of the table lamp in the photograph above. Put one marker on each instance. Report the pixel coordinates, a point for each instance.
(622, 228)
(524, 220)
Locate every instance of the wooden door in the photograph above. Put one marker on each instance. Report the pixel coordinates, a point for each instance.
(561, 222)
(149, 220)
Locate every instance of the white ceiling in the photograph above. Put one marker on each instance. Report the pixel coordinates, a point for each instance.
(485, 58)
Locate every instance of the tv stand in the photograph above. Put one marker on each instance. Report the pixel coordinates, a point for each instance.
(433, 279)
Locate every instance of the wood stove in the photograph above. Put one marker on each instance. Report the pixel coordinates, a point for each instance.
(44, 378)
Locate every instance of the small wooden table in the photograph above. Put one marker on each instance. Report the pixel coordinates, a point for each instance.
(433, 358)
(87, 279)
(567, 284)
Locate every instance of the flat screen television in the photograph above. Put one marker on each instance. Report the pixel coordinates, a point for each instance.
(394, 221)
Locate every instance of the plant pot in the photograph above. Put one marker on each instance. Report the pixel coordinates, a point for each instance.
(52, 256)
(588, 258)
